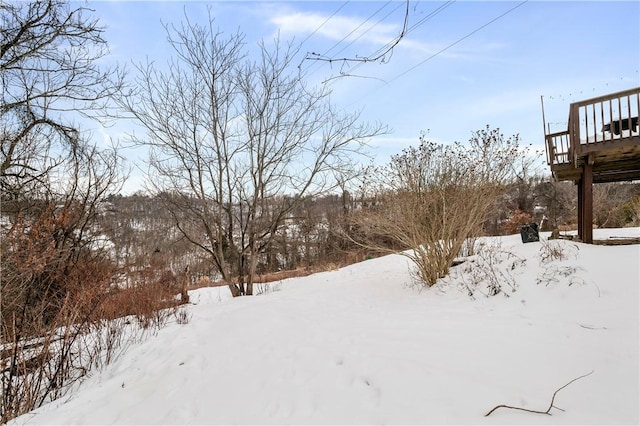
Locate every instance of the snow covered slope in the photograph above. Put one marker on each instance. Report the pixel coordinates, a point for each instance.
(362, 345)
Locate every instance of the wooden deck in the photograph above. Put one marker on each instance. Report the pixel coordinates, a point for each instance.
(601, 144)
(602, 131)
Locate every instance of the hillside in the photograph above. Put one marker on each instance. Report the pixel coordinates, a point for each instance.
(363, 345)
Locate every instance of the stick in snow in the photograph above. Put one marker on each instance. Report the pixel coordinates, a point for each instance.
(537, 411)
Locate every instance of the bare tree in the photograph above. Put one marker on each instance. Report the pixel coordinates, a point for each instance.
(49, 77)
(49, 172)
(53, 178)
(558, 200)
(608, 198)
(229, 136)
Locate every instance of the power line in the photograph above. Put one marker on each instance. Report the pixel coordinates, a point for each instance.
(458, 41)
(431, 15)
(381, 55)
(418, 24)
(320, 26)
(325, 21)
(370, 28)
(355, 29)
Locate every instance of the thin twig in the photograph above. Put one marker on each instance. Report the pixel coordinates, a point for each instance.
(548, 412)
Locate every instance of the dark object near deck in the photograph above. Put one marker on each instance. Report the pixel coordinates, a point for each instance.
(529, 233)
(622, 124)
(601, 144)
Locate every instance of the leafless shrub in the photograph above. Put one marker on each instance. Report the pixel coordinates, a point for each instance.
(268, 287)
(40, 361)
(430, 200)
(555, 269)
(632, 210)
(182, 316)
(552, 255)
(490, 272)
(469, 247)
(60, 316)
(554, 250)
(554, 274)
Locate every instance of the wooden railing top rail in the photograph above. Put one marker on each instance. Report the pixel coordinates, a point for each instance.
(555, 134)
(607, 97)
(603, 122)
(603, 118)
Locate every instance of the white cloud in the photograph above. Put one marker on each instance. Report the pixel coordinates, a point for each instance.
(337, 28)
(349, 29)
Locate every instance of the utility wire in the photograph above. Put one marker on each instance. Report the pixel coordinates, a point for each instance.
(431, 15)
(355, 29)
(368, 29)
(387, 48)
(445, 48)
(458, 41)
(325, 21)
(317, 57)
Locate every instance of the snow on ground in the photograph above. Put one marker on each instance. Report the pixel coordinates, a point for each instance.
(361, 345)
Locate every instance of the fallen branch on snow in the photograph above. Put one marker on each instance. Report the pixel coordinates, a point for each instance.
(537, 411)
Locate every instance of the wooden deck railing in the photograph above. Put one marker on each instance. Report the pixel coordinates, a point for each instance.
(593, 124)
(558, 148)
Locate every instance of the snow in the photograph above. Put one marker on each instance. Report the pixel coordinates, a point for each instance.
(363, 344)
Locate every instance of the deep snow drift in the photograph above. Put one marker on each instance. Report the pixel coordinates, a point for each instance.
(362, 345)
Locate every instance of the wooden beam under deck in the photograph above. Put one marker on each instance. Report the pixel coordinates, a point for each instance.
(631, 142)
(623, 170)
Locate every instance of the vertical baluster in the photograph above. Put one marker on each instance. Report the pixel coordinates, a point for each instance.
(619, 117)
(595, 129)
(610, 119)
(602, 119)
(638, 110)
(574, 142)
(586, 124)
(629, 113)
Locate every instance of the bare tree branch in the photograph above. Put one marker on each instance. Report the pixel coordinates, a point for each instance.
(548, 410)
(49, 54)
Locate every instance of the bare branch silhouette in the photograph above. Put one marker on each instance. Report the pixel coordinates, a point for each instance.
(548, 411)
(381, 57)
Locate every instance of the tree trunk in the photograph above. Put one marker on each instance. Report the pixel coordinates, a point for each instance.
(184, 296)
(253, 263)
(235, 290)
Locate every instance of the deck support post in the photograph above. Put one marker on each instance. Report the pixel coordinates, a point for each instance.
(580, 204)
(585, 202)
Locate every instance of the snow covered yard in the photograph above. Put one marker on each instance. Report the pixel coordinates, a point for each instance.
(362, 345)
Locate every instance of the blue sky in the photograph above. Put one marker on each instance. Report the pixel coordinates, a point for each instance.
(454, 72)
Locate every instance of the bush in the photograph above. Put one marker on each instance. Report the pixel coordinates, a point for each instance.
(61, 314)
(429, 200)
(488, 273)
